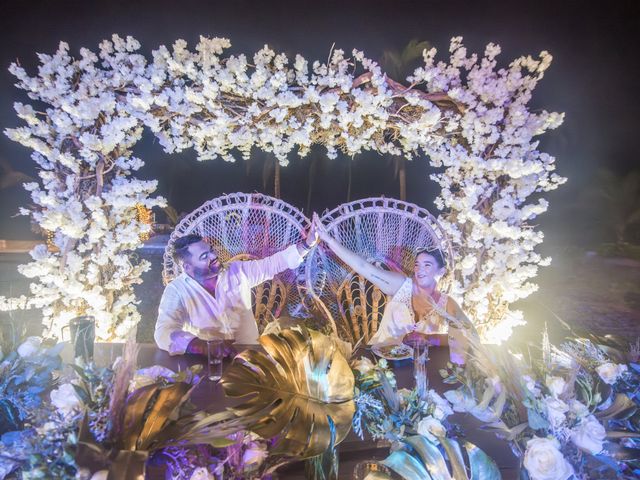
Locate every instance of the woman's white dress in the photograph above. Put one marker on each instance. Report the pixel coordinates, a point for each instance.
(398, 318)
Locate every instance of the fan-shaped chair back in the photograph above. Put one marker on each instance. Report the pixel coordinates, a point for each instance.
(242, 226)
(384, 231)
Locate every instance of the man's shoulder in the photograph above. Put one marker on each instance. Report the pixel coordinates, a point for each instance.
(176, 285)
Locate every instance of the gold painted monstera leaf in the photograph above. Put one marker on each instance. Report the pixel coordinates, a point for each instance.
(302, 391)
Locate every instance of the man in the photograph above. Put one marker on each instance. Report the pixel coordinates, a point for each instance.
(214, 297)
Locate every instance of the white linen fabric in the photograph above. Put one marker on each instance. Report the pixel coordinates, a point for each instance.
(187, 307)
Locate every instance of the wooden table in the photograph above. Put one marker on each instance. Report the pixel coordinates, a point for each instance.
(210, 397)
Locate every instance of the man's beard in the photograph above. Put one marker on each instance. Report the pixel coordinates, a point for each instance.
(208, 272)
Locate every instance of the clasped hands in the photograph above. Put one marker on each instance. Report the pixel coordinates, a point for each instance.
(317, 232)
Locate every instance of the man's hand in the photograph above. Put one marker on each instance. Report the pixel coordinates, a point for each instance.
(228, 350)
(197, 346)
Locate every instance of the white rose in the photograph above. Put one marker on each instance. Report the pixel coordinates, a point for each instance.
(100, 475)
(555, 410)
(429, 427)
(544, 461)
(556, 385)
(578, 409)
(253, 456)
(459, 401)
(29, 347)
(201, 473)
(609, 372)
(530, 383)
(48, 426)
(589, 435)
(442, 407)
(65, 399)
(403, 395)
(148, 376)
(363, 365)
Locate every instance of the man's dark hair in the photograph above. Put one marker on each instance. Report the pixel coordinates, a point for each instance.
(181, 246)
(436, 253)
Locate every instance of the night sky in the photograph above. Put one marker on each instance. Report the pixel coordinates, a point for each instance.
(593, 79)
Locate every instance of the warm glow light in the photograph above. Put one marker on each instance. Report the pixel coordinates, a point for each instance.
(144, 215)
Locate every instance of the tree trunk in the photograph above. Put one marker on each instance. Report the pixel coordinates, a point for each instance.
(276, 179)
(349, 181)
(402, 177)
(312, 177)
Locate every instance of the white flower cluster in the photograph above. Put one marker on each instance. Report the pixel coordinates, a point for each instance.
(492, 175)
(87, 197)
(469, 118)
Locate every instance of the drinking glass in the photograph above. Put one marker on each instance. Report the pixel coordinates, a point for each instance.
(215, 352)
(420, 358)
(83, 333)
(420, 343)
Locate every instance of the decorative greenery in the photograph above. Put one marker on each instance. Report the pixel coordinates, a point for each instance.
(386, 412)
(25, 375)
(422, 440)
(303, 391)
(559, 408)
(418, 458)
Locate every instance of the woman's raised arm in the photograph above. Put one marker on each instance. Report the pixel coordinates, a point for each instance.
(388, 282)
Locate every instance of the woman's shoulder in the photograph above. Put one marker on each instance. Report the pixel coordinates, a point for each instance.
(450, 304)
(404, 291)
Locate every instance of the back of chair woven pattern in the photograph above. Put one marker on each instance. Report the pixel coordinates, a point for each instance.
(243, 226)
(384, 231)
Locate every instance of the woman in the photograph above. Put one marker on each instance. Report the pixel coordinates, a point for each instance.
(414, 304)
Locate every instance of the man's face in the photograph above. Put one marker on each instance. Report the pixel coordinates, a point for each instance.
(202, 262)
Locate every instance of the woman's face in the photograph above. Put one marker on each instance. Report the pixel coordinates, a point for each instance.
(426, 270)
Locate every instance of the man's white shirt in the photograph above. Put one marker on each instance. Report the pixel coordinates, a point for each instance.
(187, 307)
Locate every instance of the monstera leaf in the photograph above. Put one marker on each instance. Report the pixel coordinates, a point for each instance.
(420, 459)
(302, 392)
(151, 418)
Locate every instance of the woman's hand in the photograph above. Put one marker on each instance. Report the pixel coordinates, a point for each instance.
(320, 229)
(311, 238)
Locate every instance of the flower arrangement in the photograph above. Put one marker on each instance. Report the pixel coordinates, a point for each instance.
(423, 443)
(393, 414)
(469, 117)
(26, 374)
(557, 409)
(93, 422)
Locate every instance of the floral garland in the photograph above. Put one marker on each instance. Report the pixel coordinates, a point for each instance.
(468, 117)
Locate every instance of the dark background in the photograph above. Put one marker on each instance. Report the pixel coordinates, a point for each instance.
(593, 79)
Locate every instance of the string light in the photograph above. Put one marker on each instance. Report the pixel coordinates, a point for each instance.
(144, 215)
(50, 240)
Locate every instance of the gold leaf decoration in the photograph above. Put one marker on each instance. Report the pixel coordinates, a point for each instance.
(302, 391)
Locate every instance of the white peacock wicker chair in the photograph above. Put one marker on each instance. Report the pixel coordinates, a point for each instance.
(245, 226)
(384, 231)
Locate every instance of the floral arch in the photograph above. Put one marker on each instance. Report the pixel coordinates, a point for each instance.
(468, 117)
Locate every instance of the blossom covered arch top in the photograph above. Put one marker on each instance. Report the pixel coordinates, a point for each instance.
(468, 117)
